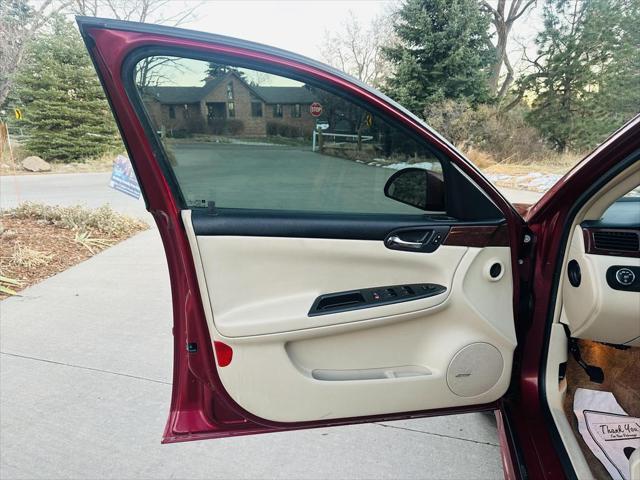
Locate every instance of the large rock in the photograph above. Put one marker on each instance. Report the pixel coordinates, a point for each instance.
(35, 164)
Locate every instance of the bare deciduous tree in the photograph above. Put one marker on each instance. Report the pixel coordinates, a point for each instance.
(140, 11)
(19, 22)
(503, 22)
(154, 11)
(357, 49)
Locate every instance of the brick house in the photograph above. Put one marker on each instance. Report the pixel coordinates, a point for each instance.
(228, 104)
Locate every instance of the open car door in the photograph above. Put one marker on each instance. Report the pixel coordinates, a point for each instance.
(332, 259)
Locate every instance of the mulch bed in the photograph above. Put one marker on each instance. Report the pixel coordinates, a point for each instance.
(45, 238)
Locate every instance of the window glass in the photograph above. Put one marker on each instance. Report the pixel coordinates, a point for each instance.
(326, 154)
(256, 109)
(625, 210)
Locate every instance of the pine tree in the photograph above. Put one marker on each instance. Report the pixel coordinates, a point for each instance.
(216, 70)
(65, 112)
(443, 52)
(586, 79)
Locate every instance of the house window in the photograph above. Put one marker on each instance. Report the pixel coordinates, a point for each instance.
(296, 110)
(216, 110)
(256, 109)
(172, 111)
(230, 91)
(231, 109)
(277, 110)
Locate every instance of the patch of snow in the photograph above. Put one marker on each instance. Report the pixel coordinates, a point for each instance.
(257, 144)
(401, 165)
(536, 181)
(498, 177)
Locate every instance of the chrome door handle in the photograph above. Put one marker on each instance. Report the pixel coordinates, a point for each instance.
(394, 240)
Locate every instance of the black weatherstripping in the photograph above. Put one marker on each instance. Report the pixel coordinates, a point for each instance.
(276, 223)
(372, 297)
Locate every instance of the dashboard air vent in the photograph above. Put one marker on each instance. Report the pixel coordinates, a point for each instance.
(619, 241)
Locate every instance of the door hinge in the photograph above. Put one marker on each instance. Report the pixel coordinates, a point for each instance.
(525, 263)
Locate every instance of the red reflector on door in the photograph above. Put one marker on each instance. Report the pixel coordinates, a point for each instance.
(224, 353)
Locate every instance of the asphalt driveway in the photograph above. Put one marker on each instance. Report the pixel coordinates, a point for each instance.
(239, 176)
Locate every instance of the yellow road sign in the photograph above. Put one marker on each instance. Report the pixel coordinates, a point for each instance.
(369, 120)
(18, 113)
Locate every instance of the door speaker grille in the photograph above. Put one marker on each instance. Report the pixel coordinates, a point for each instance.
(475, 369)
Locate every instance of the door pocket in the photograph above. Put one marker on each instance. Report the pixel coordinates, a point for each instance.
(404, 371)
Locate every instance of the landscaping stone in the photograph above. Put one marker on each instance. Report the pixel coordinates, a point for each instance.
(35, 164)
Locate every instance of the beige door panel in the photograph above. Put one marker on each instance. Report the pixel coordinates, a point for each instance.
(594, 310)
(265, 285)
(402, 357)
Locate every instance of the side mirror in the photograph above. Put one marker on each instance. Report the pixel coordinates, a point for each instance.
(417, 187)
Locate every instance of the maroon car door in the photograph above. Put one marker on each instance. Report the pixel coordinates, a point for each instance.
(332, 259)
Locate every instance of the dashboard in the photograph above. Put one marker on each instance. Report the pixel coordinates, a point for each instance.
(601, 285)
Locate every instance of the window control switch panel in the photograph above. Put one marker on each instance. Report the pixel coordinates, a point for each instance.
(372, 297)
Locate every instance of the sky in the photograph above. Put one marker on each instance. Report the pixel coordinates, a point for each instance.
(294, 25)
(299, 25)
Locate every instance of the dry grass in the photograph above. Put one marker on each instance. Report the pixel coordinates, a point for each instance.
(10, 165)
(38, 240)
(556, 163)
(479, 158)
(29, 258)
(103, 220)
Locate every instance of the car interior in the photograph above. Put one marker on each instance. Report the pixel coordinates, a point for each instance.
(595, 335)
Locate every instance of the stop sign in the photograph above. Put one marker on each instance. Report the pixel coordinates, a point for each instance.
(315, 109)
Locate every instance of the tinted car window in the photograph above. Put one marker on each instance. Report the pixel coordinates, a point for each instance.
(248, 139)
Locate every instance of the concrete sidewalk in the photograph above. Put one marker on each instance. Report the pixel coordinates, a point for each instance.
(85, 374)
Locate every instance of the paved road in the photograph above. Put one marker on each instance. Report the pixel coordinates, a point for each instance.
(85, 374)
(236, 176)
(90, 189)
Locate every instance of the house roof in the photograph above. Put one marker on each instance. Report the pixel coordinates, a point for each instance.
(284, 94)
(181, 95)
(175, 94)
